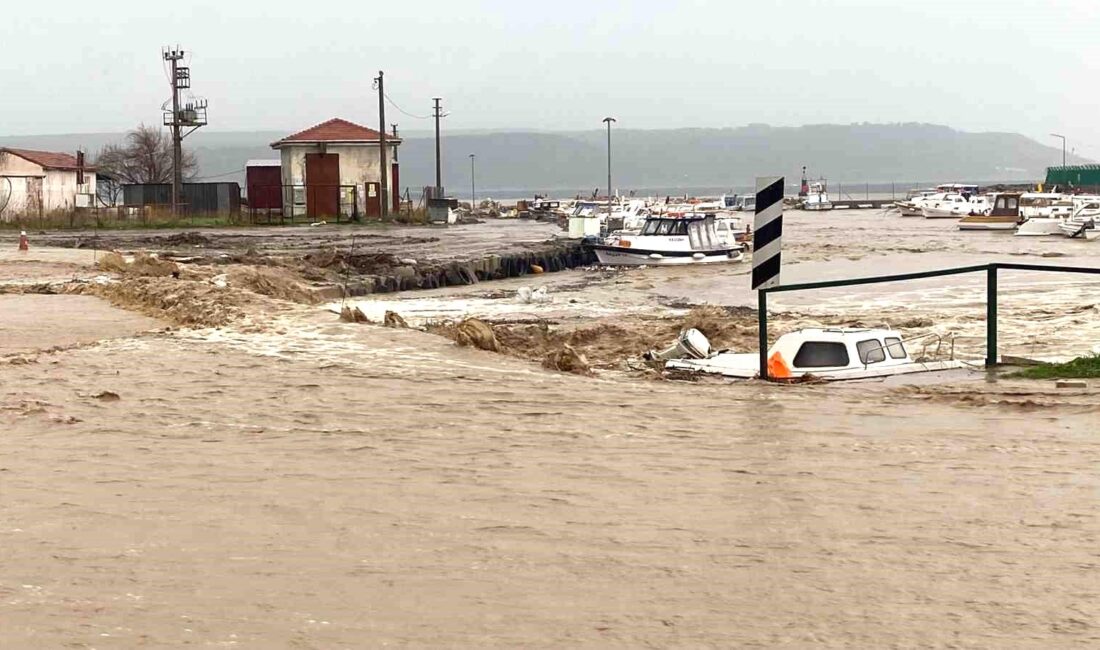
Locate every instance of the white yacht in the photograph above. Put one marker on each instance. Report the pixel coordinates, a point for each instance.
(954, 205)
(831, 354)
(666, 240)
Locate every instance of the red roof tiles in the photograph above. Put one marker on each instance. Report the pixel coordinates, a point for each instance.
(47, 159)
(334, 130)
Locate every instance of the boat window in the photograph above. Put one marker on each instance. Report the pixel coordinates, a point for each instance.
(1000, 203)
(870, 351)
(821, 354)
(678, 228)
(1013, 203)
(896, 348)
(651, 226)
(665, 227)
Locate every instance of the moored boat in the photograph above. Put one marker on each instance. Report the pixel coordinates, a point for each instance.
(1004, 214)
(670, 241)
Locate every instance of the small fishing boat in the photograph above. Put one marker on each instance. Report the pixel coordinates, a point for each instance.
(817, 197)
(1004, 215)
(831, 354)
(666, 240)
(911, 206)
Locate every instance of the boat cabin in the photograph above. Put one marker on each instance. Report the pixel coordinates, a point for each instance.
(825, 353)
(1006, 205)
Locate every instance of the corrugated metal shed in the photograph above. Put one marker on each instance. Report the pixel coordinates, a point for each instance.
(200, 198)
(1074, 176)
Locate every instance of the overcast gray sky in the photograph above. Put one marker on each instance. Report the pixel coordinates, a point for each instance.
(1029, 67)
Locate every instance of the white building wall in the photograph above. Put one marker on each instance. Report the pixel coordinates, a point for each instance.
(358, 166)
(27, 190)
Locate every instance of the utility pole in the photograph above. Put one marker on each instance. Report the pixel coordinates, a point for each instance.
(394, 127)
(173, 57)
(473, 187)
(383, 192)
(609, 121)
(193, 114)
(438, 113)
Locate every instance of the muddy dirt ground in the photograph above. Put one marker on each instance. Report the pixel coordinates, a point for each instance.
(206, 455)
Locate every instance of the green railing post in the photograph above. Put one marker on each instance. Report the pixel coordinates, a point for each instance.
(762, 318)
(991, 316)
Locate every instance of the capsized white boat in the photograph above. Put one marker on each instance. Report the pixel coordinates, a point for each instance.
(668, 241)
(831, 354)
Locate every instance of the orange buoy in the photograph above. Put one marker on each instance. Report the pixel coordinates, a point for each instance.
(777, 367)
(24, 244)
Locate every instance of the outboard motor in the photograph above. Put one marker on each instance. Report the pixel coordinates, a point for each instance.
(691, 344)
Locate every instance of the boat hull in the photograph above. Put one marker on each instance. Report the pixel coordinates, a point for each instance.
(1040, 227)
(987, 223)
(609, 255)
(746, 366)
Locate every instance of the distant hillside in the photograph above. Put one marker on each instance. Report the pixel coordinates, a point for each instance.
(679, 158)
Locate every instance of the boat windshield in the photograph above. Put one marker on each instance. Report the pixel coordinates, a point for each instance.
(660, 227)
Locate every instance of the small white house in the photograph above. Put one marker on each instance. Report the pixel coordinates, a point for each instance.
(36, 183)
(333, 168)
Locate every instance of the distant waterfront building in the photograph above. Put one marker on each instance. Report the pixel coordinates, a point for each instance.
(1083, 177)
(37, 183)
(333, 168)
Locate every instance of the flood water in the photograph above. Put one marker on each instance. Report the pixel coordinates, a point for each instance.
(308, 483)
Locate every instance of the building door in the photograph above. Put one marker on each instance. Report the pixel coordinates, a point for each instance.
(373, 206)
(322, 185)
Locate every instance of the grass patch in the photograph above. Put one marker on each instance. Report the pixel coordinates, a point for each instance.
(1080, 368)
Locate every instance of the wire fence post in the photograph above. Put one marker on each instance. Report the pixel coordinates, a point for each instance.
(762, 317)
(991, 316)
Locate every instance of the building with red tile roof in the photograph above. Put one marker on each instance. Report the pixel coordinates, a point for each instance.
(333, 169)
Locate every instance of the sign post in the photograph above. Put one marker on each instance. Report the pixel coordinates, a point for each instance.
(766, 254)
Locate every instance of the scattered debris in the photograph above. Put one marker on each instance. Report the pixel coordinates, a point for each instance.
(353, 315)
(1071, 383)
(476, 333)
(567, 359)
(529, 296)
(394, 320)
(107, 396)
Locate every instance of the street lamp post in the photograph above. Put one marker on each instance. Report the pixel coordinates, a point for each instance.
(473, 188)
(1056, 135)
(608, 121)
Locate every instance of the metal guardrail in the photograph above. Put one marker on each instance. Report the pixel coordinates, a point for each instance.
(990, 270)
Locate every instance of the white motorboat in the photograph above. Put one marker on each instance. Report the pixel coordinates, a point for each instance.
(1044, 205)
(1085, 222)
(911, 206)
(1003, 215)
(953, 206)
(832, 354)
(740, 202)
(667, 240)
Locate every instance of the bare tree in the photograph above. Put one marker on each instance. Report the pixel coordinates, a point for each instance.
(145, 156)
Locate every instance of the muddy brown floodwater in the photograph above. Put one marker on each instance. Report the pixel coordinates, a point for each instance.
(197, 461)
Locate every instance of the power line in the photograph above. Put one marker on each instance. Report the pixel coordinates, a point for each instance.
(401, 110)
(237, 171)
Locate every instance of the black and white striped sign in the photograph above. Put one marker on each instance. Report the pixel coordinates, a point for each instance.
(767, 232)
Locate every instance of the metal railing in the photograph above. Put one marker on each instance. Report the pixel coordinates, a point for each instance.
(990, 270)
